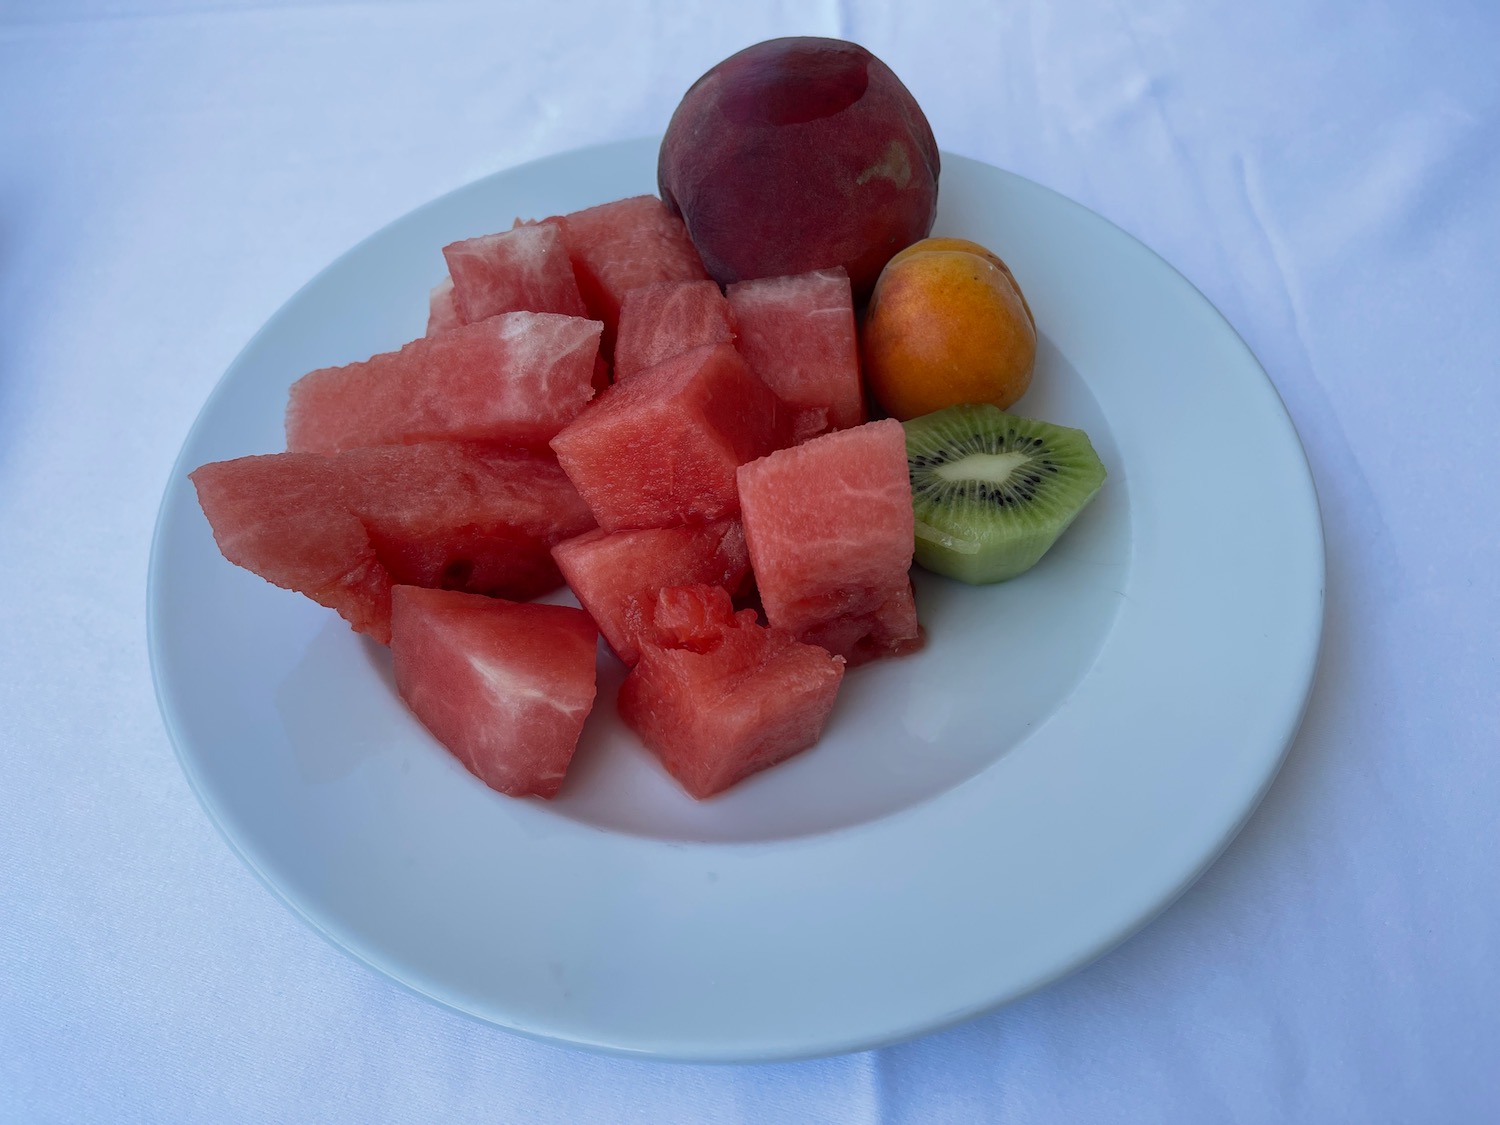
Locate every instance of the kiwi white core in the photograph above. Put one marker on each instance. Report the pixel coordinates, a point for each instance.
(992, 468)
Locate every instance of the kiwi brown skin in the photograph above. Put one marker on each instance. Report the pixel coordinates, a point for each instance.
(993, 491)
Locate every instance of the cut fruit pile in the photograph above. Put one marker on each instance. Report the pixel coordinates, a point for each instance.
(588, 406)
(691, 454)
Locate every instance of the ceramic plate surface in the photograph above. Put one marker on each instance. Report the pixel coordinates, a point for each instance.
(1068, 753)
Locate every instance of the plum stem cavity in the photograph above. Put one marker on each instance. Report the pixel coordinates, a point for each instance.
(803, 85)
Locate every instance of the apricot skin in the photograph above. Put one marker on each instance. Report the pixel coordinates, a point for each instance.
(800, 154)
(947, 324)
(963, 244)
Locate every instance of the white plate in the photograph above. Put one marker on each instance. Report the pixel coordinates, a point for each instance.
(1069, 752)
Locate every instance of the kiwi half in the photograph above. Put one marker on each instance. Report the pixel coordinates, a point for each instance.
(992, 491)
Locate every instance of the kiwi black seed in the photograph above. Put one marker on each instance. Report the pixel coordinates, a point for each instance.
(993, 491)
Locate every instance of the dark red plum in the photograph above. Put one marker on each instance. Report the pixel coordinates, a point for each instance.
(800, 154)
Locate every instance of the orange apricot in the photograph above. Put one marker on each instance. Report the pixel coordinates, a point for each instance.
(946, 324)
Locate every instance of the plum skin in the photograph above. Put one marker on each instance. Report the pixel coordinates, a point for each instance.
(799, 154)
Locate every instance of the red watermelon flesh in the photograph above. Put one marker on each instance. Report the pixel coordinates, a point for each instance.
(601, 379)
(620, 246)
(798, 334)
(442, 309)
(340, 529)
(666, 319)
(616, 576)
(517, 378)
(526, 269)
(283, 516)
(464, 516)
(864, 624)
(717, 697)
(662, 448)
(505, 686)
(692, 617)
(830, 530)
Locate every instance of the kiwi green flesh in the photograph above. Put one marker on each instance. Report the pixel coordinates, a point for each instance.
(992, 491)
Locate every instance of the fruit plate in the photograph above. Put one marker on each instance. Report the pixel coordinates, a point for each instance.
(1066, 755)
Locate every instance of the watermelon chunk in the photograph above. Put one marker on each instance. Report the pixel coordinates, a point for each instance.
(798, 335)
(505, 686)
(464, 516)
(341, 529)
(865, 624)
(283, 516)
(442, 308)
(620, 246)
(662, 448)
(526, 269)
(717, 697)
(830, 531)
(517, 378)
(666, 319)
(616, 576)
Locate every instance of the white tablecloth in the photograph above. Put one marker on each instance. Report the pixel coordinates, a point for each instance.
(1327, 172)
